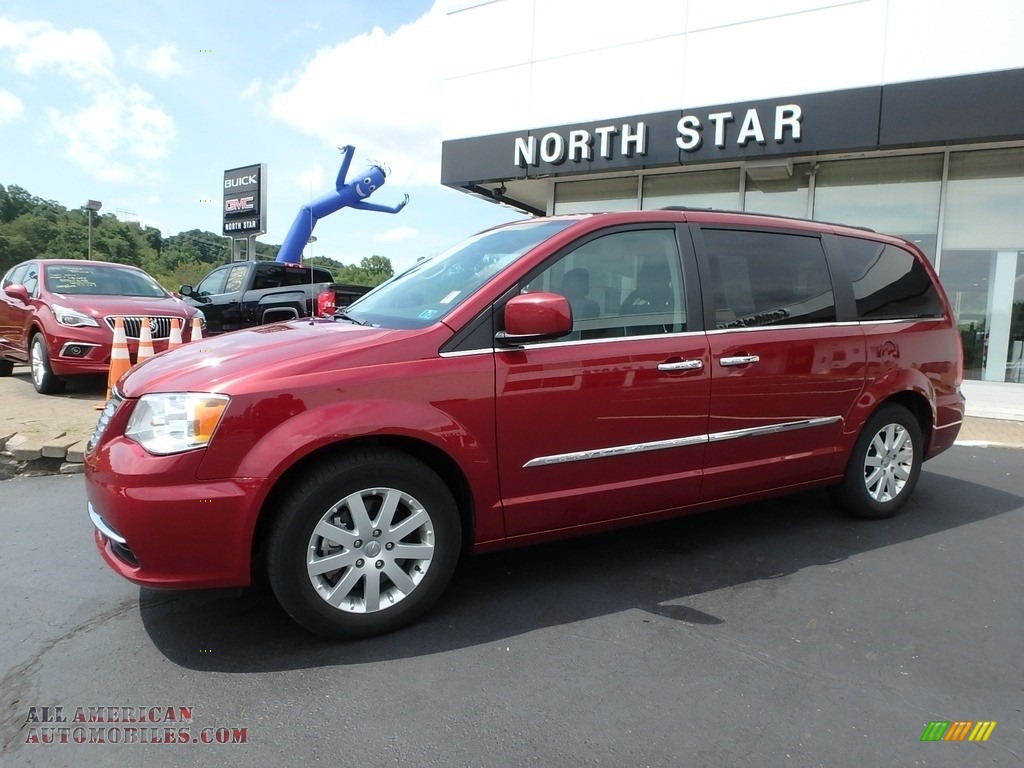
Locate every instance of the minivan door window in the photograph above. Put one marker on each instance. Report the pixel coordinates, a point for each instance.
(767, 279)
(622, 284)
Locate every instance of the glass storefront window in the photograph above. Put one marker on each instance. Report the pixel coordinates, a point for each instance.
(894, 195)
(780, 197)
(982, 265)
(596, 195)
(696, 189)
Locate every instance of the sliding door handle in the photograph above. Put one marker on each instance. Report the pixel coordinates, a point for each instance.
(740, 360)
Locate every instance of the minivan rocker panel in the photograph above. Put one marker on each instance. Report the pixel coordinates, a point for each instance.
(543, 379)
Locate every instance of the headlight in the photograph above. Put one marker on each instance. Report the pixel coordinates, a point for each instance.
(176, 421)
(72, 318)
(201, 316)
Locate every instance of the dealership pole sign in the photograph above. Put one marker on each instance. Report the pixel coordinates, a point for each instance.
(245, 201)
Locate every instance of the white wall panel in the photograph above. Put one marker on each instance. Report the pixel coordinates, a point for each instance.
(535, 63)
(941, 38)
(566, 27)
(491, 36)
(621, 81)
(490, 102)
(825, 50)
(708, 14)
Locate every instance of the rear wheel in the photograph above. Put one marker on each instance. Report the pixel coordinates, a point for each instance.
(6, 367)
(364, 544)
(884, 465)
(43, 378)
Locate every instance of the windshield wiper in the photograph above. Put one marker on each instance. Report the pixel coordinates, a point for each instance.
(346, 316)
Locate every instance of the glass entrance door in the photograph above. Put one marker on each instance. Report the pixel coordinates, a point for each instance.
(982, 265)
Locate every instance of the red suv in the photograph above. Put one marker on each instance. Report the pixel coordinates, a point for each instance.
(542, 379)
(58, 315)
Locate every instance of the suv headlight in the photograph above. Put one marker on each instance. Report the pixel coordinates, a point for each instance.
(174, 422)
(72, 317)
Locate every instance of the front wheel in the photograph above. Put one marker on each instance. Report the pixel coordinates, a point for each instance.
(884, 466)
(364, 544)
(43, 378)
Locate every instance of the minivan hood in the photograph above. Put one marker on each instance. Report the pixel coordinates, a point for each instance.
(261, 357)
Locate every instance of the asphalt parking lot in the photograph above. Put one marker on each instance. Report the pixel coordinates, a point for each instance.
(774, 634)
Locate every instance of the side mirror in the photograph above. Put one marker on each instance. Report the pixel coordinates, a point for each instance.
(535, 317)
(17, 291)
(185, 290)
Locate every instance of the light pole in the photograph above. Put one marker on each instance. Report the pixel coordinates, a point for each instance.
(92, 205)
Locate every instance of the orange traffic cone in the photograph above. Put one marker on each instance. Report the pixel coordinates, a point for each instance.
(174, 340)
(146, 350)
(120, 361)
(197, 329)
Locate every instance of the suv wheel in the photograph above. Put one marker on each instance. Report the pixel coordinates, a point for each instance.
(42, 375)
(884, 465)
(364, 544)
(6, 367)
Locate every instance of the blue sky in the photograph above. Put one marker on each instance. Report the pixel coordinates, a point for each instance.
(144, 105)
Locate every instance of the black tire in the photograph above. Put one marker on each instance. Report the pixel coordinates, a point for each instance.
(6, 367)
(884, 466)
(375, 590)
(43, 378)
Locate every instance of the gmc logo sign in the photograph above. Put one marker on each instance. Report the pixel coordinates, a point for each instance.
(239, 204)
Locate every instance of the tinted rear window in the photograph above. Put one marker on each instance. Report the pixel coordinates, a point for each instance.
(279, 276)
(768, 278)
(888, 282)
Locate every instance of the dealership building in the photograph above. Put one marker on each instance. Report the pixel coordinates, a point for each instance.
(905, 116)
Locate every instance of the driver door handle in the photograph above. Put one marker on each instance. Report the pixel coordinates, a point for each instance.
(681, 365)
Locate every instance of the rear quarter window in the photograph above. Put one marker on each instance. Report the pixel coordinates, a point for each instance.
(889, 283)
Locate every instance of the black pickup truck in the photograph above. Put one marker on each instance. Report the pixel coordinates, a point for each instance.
(247, 293)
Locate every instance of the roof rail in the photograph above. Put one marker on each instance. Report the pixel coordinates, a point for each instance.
(765, 215)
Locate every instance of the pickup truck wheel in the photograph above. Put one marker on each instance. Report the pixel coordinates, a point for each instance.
(884, 466)
(6, 367)
(364, 544)
(42, 375)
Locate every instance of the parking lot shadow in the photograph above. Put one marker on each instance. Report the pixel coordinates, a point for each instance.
(653, 568)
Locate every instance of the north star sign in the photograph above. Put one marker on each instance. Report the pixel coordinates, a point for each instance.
(627, 140)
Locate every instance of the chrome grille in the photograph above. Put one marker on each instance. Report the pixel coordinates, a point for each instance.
(160, 327)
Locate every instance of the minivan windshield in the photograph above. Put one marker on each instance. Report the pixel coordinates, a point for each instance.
(432, 288)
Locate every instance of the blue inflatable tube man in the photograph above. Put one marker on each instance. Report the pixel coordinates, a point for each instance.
(344, 196)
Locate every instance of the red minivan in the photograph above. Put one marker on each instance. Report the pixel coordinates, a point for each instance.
(542, 379)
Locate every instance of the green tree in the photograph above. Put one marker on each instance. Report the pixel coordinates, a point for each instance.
(378, 267)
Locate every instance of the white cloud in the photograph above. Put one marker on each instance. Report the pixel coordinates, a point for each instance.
(379, 92)
(253, 90)
(396, 234)
(120, 130)
(162, 61)
(11, 107)
(312, 180)
(120, 124)
(80, 54)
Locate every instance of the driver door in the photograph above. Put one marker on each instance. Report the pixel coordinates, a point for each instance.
(608, 422)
